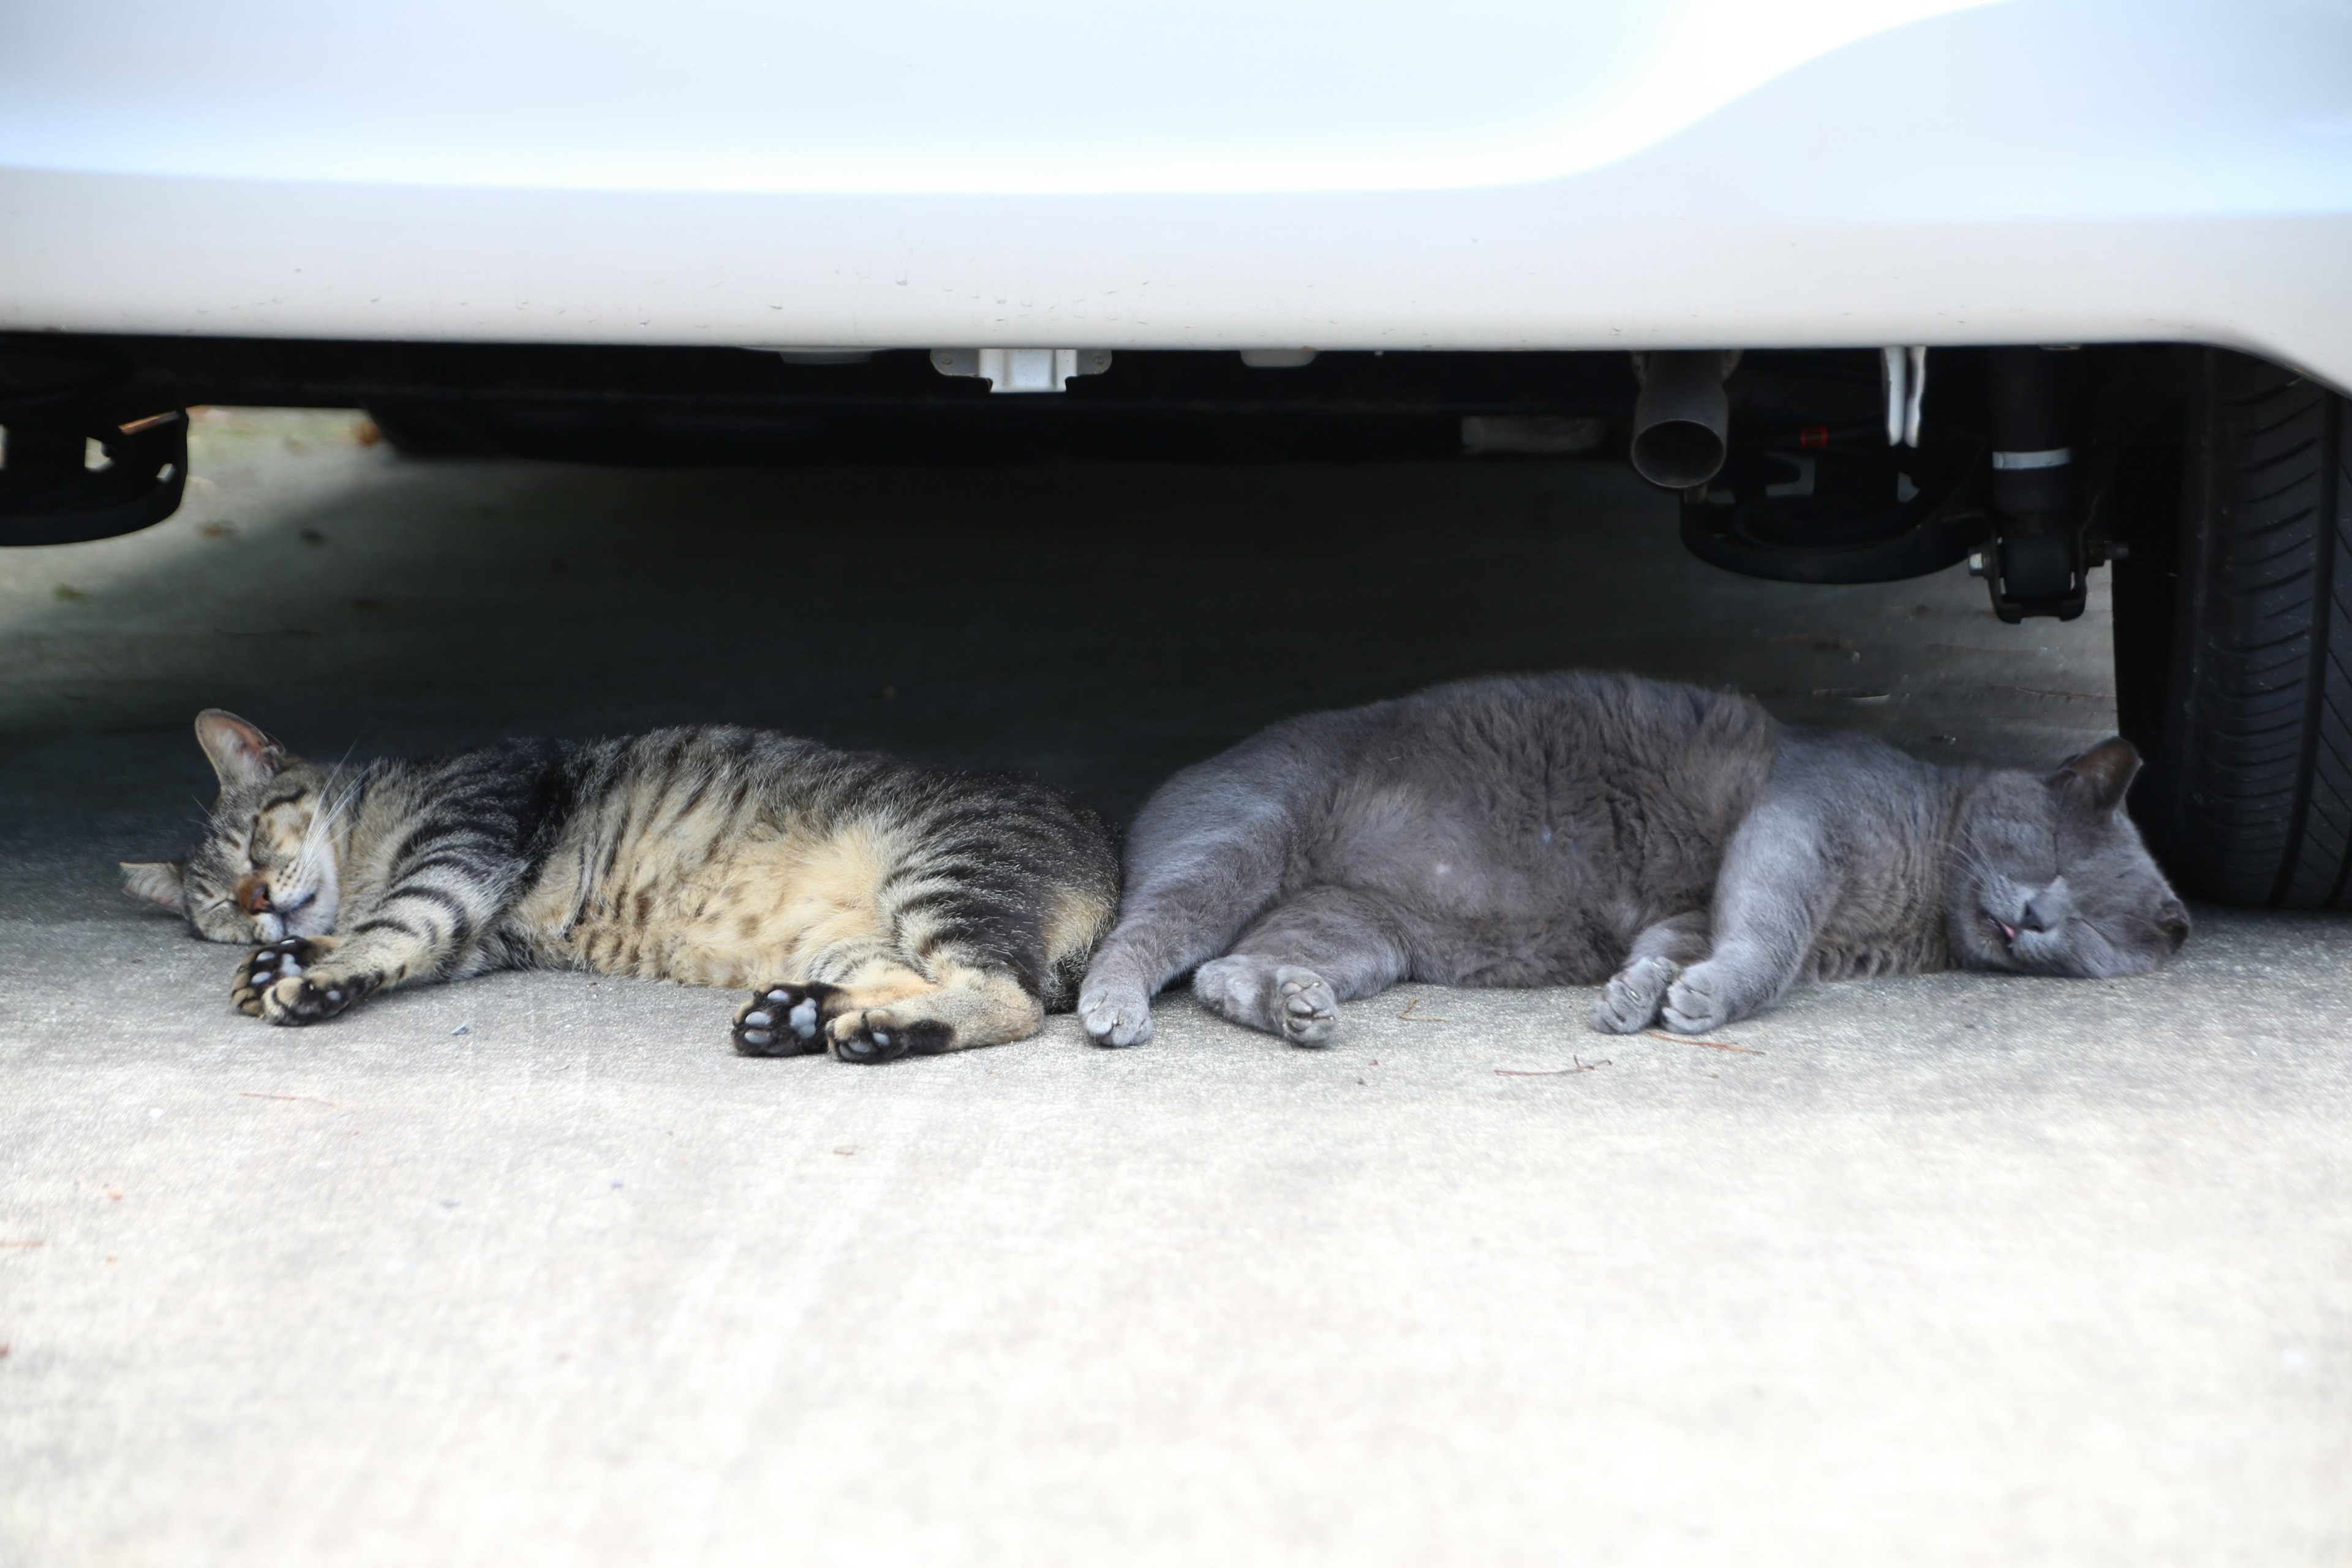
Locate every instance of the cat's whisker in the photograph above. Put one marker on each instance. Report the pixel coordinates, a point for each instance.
(336, 795)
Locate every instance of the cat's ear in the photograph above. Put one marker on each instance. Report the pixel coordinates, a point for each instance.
(2099, 777)
(156, 882)
(241, 754)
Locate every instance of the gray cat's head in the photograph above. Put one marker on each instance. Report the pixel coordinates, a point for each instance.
(2051, 878)
(267, 867)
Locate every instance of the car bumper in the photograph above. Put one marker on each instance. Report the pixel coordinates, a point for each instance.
(2022, 172)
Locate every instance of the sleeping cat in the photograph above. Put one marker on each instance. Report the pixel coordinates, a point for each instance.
(877, 909)
(1677, 844)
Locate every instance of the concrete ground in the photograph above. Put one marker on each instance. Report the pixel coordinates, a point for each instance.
(1951, 1269)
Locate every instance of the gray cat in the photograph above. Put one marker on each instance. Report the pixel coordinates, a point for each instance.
(1678, 844)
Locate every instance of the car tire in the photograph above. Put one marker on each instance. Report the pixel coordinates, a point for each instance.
(2233, 640)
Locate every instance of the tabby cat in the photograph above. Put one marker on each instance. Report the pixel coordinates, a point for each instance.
(1575, 829)
(876, 908)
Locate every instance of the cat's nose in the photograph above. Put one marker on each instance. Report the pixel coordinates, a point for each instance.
(252, 894)
(2040, 913)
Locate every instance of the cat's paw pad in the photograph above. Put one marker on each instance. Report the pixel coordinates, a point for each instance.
(1696, 1002)
(878, 1034)
(264, 967)
(783, 1021)
(298, 999)
(1629, 1003)
(1305, 1008)
(1115, 1015)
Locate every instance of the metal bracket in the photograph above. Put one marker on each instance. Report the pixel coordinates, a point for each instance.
(1904, 373)
(2034, 566)
(1802, 485)
(1022, 370)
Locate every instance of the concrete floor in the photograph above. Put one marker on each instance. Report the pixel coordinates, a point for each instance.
(1940, 1270)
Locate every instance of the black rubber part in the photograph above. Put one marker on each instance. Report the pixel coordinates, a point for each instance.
(48, 496)
(2234, 647)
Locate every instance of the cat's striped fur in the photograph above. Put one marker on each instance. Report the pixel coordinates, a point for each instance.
(876, 908)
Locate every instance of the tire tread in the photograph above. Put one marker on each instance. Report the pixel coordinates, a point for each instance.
(2260, 812)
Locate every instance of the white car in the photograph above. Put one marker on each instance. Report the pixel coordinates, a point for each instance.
(2046, 283)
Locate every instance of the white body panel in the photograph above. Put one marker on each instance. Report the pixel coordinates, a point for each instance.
(1495, 175)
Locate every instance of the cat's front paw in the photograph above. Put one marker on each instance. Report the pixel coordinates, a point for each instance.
(876, 1035)
(310, 998)
(783, 1021)
(1697, 1002)
(265, 967)
(1629, 1003)
(1114, 1013)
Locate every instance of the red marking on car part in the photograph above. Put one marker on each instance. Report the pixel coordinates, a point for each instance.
(1814, 435)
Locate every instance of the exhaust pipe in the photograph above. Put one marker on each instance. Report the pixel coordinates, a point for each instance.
(1682, 421)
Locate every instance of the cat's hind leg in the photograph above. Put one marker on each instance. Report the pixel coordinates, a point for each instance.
(1290, 971)
(966, 1008)
(1629, 1002)
(1204, 857)
(882, 1007)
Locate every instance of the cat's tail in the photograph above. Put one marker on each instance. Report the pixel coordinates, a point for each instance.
(1205, 857)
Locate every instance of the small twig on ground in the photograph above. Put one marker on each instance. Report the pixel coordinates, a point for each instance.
(1420, 1018)
(42, 1242)
(1711, 1045)
(306, 1099)
(1582, 1065)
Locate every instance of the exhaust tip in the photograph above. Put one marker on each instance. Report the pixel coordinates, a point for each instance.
(1682, 421)
(1678, 454)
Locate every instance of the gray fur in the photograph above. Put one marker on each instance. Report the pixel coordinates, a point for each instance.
(1679, 844)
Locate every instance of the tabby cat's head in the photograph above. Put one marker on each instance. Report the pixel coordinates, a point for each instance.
(267, 867)
(2052, 878)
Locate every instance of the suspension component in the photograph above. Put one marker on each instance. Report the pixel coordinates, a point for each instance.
(2037, 562)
